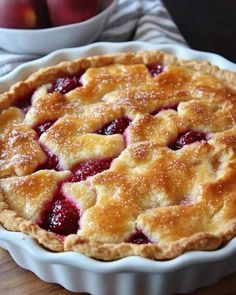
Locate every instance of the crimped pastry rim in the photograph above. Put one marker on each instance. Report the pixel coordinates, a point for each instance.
(213, 241)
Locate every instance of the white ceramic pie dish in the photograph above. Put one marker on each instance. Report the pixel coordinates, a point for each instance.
(132, 275)
(42, 41)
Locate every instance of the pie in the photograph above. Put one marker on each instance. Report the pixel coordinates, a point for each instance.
(121, 154)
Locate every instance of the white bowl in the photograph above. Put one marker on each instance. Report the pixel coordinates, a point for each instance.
(42, 41)
(131, 275)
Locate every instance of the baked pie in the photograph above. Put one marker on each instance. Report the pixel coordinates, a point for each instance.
(122, 154)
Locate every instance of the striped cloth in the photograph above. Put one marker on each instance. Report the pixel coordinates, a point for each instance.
(139, 20)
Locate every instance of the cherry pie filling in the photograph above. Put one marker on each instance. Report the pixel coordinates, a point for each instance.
(138, 238)
(60, 216)
(65, 84)
(116, 126)
(24, 103)
(62, 84)
(89, 168)
(188, 138)
(51, 163)
(41, 128)
(155, 69)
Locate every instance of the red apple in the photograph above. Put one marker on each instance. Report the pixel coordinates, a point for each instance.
(64, 12)
(23, 14)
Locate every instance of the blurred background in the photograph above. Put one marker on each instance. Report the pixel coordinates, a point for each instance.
(208, 25)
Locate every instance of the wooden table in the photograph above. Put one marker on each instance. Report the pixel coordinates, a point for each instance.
(16, 281)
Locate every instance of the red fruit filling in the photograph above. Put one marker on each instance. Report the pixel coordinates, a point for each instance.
(51, 163)
(138, 238)
(65, 84)
(24, 103)
(188, 138)
(155, 69)
(168, 107)
(80, 171)
(60, 216)
(116, 126)
(41, 128)
(89, 168)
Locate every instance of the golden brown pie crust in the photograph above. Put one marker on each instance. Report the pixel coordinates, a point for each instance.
(182, 200)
